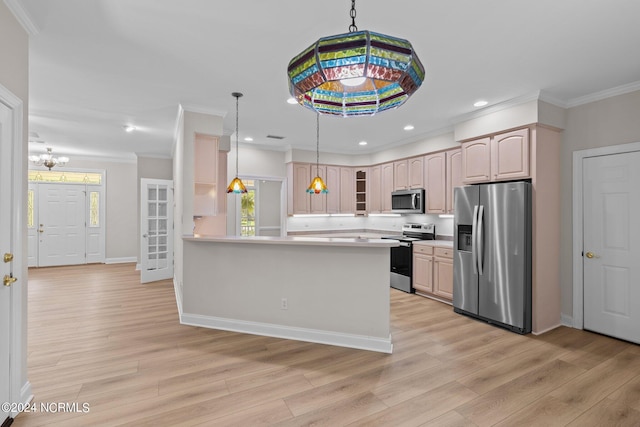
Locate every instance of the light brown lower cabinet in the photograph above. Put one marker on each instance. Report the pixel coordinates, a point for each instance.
(433, 272)
(443, 273)
(423, 268)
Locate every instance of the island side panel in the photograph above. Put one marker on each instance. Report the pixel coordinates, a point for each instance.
(338, 289)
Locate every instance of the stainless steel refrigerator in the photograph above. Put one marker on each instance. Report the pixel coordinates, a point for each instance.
(492, 254)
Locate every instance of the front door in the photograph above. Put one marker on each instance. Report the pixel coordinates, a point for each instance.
(611, 251)
(156, 225)
(61, 224)
(6, 189)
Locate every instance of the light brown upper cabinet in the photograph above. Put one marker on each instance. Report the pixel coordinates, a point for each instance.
(500, 157)
(298, 179)
(400, 175)
(476, 160)
(205, 175)
(510, 155)
(416, 172)
(408, 173)
(454, 176)
(318, 203)
(333, 185)
(347, 190)
(374, 189)
(386, 186)
(435, 166)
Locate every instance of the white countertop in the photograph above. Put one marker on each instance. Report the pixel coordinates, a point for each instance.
(296, 240)
(437, 243)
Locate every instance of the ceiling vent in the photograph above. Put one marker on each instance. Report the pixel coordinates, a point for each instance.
(275, 137)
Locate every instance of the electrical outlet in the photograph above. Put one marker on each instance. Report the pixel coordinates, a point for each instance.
(284, 304)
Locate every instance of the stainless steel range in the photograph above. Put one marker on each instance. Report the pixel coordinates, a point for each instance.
(402, 256)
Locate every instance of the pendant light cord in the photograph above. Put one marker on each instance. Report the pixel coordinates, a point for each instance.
(237, 98)
(317, 143)
(237, 95)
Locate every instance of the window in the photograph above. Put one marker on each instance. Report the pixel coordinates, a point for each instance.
(248, 210)
(94, 209)
(65, 176)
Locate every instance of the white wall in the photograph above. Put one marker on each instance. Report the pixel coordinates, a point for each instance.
(121, 202)
(178, 202)
(393, 225)
(14, 76)
(611, 121)
(188, 124)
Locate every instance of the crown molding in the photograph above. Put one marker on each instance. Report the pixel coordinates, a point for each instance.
(23, 17)
(604, 94)
(513, 102)
(550, 99)
(192, 108)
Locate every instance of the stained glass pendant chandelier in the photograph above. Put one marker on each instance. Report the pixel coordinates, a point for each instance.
(317, 185)
(359, 73)
(236, 185)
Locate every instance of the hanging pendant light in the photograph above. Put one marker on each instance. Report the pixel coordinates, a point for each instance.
(359, 73)
(317, 185)
(236, 185)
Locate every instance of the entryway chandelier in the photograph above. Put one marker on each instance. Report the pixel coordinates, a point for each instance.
(48, 159)
(358, 73)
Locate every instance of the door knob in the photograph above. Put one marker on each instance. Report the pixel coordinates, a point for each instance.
(8, 257)
(8, 280)
(591, 255)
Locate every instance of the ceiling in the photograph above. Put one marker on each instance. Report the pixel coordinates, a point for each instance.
(96, 66)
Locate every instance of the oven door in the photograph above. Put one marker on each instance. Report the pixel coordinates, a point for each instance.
(402, 266)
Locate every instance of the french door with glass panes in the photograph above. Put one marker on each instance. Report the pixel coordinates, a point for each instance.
(156, 227)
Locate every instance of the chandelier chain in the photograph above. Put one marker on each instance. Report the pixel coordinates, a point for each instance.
(352, 13)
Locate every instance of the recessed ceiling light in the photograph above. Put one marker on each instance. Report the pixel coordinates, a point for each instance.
(480, 103)
(292, 100)
(129, 128)
(409, 127)
(248, 139)
(362, 143)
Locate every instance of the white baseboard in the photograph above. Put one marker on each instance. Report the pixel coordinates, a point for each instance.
(551, 328)
(26, 396)
(138, 267)
(382, 345)
(566, 320)
(178, 296)
(122, 260)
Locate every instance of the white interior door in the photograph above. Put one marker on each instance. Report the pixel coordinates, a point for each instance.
(61, 224)
(611, 199)
(6, 208)
(156, 226)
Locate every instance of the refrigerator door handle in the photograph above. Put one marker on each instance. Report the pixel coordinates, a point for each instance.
(474, 249)
(480, 240)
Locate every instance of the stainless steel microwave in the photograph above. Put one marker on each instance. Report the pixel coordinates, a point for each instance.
(408, 201)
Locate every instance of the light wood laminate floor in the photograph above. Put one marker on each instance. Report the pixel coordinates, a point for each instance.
(97, 336)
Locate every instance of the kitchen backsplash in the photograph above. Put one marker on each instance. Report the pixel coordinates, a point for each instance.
(444, 226)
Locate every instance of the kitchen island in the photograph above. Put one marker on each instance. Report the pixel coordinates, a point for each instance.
(325, 290)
